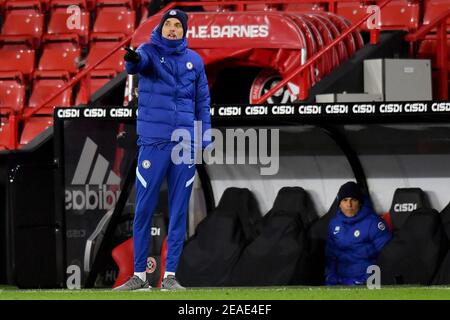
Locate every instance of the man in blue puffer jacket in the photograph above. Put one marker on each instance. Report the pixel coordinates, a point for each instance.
(356, 236)
(173, 94)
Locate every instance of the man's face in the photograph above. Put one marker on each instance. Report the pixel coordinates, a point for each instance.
(349, 206)
(172, 29)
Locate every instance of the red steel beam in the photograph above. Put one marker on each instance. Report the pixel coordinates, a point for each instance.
(440, 22)
(315, 57)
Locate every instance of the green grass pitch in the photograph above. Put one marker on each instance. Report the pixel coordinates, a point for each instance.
(267, 293)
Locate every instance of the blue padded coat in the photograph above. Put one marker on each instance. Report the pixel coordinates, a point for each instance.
(173, 89)
(353, 244)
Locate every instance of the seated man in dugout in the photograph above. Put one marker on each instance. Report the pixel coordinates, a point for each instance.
(355, 237)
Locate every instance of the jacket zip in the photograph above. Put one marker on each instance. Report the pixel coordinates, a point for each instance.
(176, 84)
(176, 90)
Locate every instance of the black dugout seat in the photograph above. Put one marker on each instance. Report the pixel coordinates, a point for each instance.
(443, 275)
(211, 253)
(445, 219)
(311, 265)
(271, 259)
(404, 202)
(416, 249)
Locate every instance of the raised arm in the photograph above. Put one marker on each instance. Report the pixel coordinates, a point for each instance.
(137, 61)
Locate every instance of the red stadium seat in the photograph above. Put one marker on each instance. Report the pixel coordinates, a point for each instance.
(101, 45)
(217, 8)
(398, 14)
(91, 4)
(55, 4)
(141, 3)
(123, 256)
(118, 20)
(33, 127)
(58, 24)
(44, 84)
(12, 91)
(30, 5)
(143, 6)
(16, 42)
(312, 6)
(24, 22)
(60, 53)
(61, 41)
(353, 11)
(144, 15)
(127, 4)
(86, 5)
(260, 6)
(434, 8)
(97, 80)
(45, 5)
(13, 60)
(4, 132)
(428, 48)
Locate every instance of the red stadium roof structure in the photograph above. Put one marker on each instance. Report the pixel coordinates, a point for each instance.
(280, 41)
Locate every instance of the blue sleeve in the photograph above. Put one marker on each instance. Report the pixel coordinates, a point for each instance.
(144, 64)
(379, 237)
(331, 256)
(202, 106)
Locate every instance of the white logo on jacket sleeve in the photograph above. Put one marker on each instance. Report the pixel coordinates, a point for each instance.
(189, 65)
(381, 226)
(336, 230)
(146, 164)
(356, 234)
